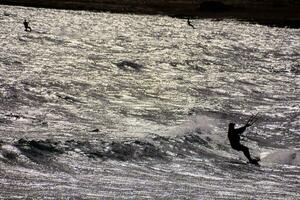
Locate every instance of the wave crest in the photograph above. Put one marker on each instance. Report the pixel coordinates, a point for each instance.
(154, 147)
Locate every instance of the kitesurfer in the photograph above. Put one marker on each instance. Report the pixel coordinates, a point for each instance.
(26, 25)
(234, 138)
(189, 23)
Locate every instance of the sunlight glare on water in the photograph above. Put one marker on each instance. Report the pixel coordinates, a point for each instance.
(114, 106)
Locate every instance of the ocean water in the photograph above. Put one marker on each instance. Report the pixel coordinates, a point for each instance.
(115, 106)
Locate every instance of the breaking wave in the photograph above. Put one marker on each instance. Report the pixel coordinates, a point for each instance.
(154, 147)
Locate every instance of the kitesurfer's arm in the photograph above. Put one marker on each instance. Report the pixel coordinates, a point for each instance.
(239, 131)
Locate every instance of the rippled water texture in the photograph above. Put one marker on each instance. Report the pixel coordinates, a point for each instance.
(114, 106)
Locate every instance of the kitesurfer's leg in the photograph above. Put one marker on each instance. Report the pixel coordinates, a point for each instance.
(246, 152)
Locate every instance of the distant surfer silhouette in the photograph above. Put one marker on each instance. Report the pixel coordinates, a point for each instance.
(26, 25)
(189, 23)
(234, 138)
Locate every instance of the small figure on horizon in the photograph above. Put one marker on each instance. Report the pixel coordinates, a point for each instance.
(234, 138)
(26, 25)
(189, 23)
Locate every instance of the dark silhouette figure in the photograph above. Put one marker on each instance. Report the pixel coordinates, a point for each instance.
(234, 138)
(26, 25)
(189, 23)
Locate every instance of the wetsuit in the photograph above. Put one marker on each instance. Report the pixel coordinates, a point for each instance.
(189, 23)
(234, 138)
(26, 25)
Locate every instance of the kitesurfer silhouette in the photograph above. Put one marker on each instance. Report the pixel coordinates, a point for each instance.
(26, 25)
(234, 138)
(189, 23)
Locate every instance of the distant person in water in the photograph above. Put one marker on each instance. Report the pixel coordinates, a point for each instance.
(26, 25)
(234, 138)
(189, 23)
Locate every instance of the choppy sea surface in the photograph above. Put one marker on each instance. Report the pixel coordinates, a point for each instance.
(115, 106)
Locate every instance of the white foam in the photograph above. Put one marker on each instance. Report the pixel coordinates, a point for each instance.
(199, 123)
(283, 156)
